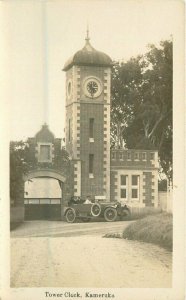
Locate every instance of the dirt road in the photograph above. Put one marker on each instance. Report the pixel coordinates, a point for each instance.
(63, 229)
(86, 259)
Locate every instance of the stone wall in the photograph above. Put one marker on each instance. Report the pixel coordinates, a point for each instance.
(17, 214)
(165, 201)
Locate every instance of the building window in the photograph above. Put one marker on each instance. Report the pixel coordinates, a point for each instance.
(91, 163)
(123, 194)
(120, 155)
(129, 187)
(123, 179)
(91, 128)
(123, 186)
(144, 157)
(136, 155)
(69, 133)
(135, 187)
(45, 153)
(134, 193)
(152, 156)
(129, 155)
(69, 88)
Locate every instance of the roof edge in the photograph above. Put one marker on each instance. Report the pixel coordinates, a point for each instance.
(66, 68)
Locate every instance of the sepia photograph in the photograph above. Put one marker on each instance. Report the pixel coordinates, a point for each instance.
(92, 172)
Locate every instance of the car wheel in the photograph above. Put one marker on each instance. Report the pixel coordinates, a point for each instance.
(96, 209)
(110, 214)
(70, 215)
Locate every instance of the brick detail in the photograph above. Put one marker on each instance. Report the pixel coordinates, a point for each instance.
(77, 178)
(113, 186)
(148, 184)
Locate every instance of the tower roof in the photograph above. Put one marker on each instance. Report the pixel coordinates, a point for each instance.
(88, 56)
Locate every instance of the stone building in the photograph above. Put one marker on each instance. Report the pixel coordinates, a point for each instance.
(93, 169)
(128, 175)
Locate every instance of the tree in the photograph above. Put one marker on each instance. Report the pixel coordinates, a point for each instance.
(142, 103)
(19, 167)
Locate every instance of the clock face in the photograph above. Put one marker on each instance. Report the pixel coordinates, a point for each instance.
(92, 87)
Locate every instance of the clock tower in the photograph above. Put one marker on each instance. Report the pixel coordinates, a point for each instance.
(88, 76)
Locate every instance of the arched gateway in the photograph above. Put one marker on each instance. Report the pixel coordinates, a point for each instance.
(44, 207)
(48, 184)
(43, 173)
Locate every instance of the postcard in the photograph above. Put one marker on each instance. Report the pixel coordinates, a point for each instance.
(92, 152)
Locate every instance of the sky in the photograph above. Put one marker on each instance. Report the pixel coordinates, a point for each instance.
(39, 36)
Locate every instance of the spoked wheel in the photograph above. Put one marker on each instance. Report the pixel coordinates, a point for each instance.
(110, 214)
(70, 215)
(96, 209)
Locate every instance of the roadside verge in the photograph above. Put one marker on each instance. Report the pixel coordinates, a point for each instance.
(156, 229)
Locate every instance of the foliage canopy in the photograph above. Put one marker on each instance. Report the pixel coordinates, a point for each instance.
(141, 114)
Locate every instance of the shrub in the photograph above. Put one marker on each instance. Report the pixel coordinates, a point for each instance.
(157, 229)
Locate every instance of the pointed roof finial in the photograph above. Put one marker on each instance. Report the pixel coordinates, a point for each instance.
(87, 39)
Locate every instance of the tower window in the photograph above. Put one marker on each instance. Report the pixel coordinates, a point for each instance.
(91, 128)
(91, 163)
(69, 133)
(69, 88)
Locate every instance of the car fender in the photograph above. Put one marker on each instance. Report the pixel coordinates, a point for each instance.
(110, 206)
(66, 209)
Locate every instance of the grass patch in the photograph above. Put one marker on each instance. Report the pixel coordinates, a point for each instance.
(156, 229)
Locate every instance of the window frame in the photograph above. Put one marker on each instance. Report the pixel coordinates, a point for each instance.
(69, 130)
(152, 155)
(135, 187)
(91, 128)
(40, 160)
(136, 154)
(128, 155)
(129, 186)
(124, 186)
(91, 164)
(145, 156)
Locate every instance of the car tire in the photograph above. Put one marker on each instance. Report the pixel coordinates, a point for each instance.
(110, 214)
(96, 210)
(70, 215)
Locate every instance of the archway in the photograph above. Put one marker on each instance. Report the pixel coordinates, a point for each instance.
(40, 202)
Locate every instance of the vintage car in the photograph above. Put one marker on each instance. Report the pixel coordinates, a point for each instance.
(85, 212)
